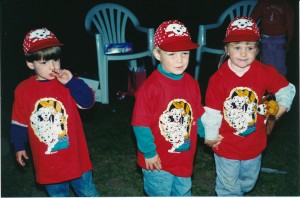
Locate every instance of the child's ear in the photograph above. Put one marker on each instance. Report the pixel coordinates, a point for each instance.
(30, 65)
(226, 50)
(257, 51)
(156, 54)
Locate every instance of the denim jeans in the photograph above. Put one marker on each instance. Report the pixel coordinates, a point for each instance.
(236, 177)
(162, 183)
(83, 187)
(273, 52)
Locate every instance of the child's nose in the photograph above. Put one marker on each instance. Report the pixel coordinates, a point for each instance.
(179, 58)
(52, 64)
(243, 52)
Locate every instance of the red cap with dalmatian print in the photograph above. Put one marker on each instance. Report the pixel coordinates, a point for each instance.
(173, 36)
(242, 29)
(38, 39)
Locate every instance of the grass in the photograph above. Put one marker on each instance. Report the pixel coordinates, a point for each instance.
(112, 148)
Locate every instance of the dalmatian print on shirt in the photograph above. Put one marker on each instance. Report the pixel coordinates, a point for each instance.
(49, 123)
(175, 125)
(240, 110)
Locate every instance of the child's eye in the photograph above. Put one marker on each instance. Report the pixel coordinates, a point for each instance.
(236, 48)
(250, 48)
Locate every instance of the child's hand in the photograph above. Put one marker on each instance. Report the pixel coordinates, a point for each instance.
(281, 111)
(214, 143)
(20, 155)
(153, 162)
(63, 75)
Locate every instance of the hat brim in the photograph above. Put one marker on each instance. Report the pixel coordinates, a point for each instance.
(43, 45)
(178, 45)
(241, 37)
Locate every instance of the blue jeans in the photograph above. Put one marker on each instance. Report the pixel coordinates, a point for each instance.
(162, 183)
(83, 187)
(236, 177)
(273, 52)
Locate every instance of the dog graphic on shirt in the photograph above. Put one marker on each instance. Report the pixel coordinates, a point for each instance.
(175, 125)
(49, 123)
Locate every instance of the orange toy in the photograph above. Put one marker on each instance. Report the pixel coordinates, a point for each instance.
(268, 108)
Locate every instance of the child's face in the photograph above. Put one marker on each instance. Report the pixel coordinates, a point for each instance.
(45, 69)
(173, 62)
(242, 54)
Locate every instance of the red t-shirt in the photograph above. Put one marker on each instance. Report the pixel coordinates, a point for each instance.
(55, 131)
(237, 98)
(170, 108)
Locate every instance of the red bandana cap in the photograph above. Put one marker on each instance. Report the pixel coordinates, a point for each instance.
(38, 39)
(173, 36)
(242, 29)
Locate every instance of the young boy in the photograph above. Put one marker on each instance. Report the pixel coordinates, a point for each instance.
(277, 26)
(232, 97)
(165, 115)
(45, 110)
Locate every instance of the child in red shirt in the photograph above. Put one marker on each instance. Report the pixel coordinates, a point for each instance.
(167, 107)
(233, 94)
(45, 111)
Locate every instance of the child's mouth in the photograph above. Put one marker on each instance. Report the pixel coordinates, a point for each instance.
(55, 71)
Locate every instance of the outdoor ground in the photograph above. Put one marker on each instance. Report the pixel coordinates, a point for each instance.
(110, 138)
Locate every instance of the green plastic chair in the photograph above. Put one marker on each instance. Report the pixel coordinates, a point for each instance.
(109, 23)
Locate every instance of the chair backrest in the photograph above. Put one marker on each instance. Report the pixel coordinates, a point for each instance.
(242, 8)
(110, 21)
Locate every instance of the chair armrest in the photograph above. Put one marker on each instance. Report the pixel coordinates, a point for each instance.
(219, 22)
(143, 29)
(203, 29)
(150, 35)
(99, 43)
(202, 40)
(212, 26)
